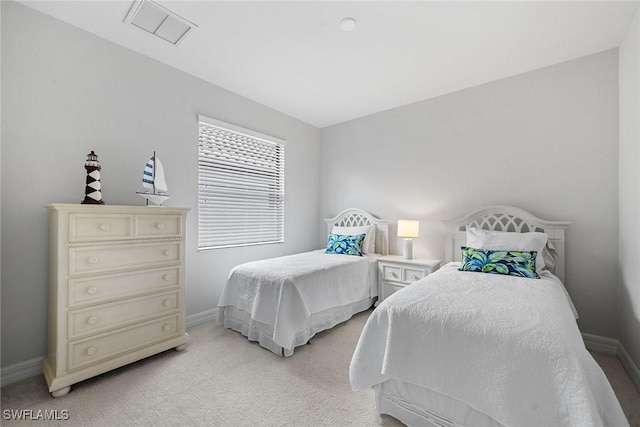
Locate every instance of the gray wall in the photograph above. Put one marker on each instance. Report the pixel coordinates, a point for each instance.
(545, 141)
(66, 92)
(629, 298)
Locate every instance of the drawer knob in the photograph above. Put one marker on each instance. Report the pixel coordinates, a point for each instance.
(414, 277)
(92, 320)
(105, 227)
(93, 260)
(166, 302)
(167, 277)
(393, 274)
(168, 252)
(92, 290)
(167, 327)
(91, 351)
(160, 226)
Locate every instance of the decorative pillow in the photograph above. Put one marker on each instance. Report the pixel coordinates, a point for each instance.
(369, 245)
(345, 244)
(508, 241)
(511, 263)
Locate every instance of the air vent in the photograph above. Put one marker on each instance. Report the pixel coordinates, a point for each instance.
(159, 21)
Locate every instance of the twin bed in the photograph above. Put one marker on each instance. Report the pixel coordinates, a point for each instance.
(457, 348)
(282, 302)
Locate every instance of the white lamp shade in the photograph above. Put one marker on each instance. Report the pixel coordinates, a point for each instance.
(408, 228)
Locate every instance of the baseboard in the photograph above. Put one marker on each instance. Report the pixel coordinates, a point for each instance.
(33, 367)
(202, 317)
(613, 347)
(21, 371)
(629, 366)
(601, 344)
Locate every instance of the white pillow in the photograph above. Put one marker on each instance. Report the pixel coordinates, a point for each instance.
(507, 241)
(369, 244)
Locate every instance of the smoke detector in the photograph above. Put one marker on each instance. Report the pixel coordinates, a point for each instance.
(159, 21)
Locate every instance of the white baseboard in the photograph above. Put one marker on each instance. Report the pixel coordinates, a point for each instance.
(33, 367)
(613, 347)
(601, 344)
(629, 366)
(202, 317)
(21, 371)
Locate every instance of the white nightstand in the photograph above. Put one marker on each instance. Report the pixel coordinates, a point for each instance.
(396, 272)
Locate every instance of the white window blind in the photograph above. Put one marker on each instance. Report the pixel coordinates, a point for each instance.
(240, 186)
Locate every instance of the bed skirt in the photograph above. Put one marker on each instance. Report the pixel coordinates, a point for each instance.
(241, 321)
(407, 403)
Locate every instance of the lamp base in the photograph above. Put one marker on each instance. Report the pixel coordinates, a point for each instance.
(407, 249)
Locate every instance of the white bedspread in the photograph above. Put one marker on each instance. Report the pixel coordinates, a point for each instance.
(284, 291)
(507, 346)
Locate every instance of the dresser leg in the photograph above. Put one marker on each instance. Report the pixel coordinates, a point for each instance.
(181, 347)
(61, 392)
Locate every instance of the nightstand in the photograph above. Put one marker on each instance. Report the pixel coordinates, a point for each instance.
(396, 272)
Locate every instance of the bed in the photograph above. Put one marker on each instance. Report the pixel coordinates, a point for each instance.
(467, 348)
(282, 302)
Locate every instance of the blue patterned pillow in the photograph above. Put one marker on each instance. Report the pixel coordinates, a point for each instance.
(512, 263)
(345, 244)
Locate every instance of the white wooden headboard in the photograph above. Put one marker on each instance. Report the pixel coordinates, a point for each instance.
(505, 218)
(354, 217)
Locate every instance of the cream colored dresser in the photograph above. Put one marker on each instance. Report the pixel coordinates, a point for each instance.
(116, 288)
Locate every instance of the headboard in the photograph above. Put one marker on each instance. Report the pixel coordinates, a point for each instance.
(505, 218)
(354, 217)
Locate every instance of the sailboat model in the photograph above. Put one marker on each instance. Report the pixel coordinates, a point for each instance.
(154, 187)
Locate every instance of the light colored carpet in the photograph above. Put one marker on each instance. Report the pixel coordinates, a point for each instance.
(224, 380)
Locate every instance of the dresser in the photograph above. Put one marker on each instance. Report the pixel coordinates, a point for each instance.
(395, 272)
(116, 288)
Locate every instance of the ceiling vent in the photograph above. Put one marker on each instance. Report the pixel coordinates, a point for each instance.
(158, 21)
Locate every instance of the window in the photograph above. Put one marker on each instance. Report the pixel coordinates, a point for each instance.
(240, 186)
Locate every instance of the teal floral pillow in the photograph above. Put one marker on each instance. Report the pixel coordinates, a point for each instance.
(512, 263)
(345, 244)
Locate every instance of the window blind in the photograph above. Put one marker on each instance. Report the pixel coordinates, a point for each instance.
(240, 186)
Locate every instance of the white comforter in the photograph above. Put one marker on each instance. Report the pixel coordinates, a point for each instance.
(283, 292)
(507, 346)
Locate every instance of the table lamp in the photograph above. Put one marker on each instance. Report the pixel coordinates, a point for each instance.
(408, 229)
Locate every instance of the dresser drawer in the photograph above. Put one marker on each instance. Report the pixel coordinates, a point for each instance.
(391, 272)
(100, 318)
(158, 226)
(93, 350)
(83, 227)
(106, 288)
(121, 257)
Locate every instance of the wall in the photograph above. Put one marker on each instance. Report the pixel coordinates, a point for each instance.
(66, 92)
(545, 141)
(629, 191)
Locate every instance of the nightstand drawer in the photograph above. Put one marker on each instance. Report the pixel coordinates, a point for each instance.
(390, 272)
(410, 275)
(396, 272)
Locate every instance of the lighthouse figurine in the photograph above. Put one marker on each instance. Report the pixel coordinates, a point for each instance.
(93, 189)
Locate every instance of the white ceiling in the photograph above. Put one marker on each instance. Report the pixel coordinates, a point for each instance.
(293, 57)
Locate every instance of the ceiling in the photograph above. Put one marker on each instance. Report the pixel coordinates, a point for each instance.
(293, 56)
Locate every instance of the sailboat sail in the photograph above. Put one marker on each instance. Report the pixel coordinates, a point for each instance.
(154, 187)
(147, 177)
(159, 181)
